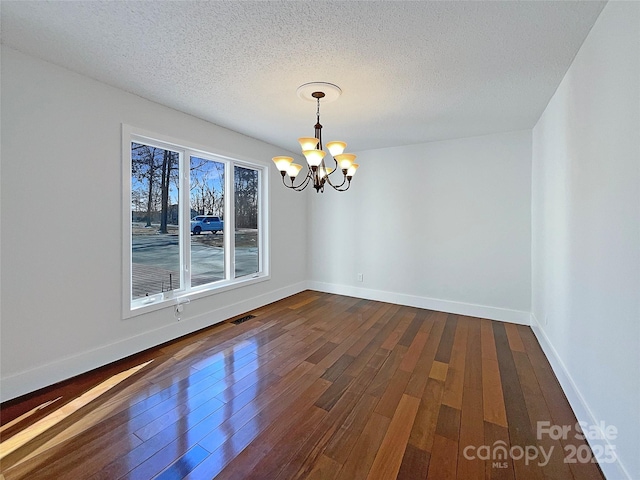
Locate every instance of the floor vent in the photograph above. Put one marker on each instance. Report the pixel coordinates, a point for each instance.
(238, 321)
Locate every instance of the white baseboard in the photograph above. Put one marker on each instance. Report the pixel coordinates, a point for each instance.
(614, 470)
(459, 308)
(30, 380)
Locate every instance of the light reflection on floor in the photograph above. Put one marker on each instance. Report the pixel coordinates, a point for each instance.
(233, 372)
(42, 425)
(26, 415)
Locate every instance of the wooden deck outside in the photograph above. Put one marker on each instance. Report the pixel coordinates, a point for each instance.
(152, 279)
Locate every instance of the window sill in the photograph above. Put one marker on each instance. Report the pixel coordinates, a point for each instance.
(170, 299)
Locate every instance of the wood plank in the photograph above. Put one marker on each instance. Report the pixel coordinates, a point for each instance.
(369, 372)
(393, 394)
(389, 457)
(412, 356)
(492, 396)
(331, 396)
(520, 433)
(385, 373)
(415, 464)
(305, 454)
(497, 468)
(324, 468)
(446, 341)
(515, 342)
(417, 323)
(403, 319)
(471, 435)
(344, 439)
(374, 324)
(362, 455)
(370, 357)
(439, 371)
(335, 370)
(321, 353)
(448, 425)
(420, 373)
(303, 302)
(443, 462)
(184, 465)
(273, 448)
(539, 412)
(454, 382)
(424, 426)
(473, 360)
(472, 414)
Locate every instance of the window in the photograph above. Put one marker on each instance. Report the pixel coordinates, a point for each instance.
(194, 222)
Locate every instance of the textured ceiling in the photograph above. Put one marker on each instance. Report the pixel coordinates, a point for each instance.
(410, 72)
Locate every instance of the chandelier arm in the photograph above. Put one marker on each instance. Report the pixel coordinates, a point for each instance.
(284, 182)
(344, 178)
(335, 186)
(338, 189)
(304, 183)
(301, 186)
(335, 168)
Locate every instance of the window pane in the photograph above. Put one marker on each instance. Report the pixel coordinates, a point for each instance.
(207, 209)
(155, 242)
(246, 220)
(177, 222)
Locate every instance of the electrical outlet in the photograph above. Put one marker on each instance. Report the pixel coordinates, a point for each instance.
(360, 277)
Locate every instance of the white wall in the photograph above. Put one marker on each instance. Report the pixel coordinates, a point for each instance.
(442, 225)
(62, 225)
(586, 231)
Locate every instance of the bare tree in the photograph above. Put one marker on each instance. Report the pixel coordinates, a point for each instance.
(245, 182)
(207, 187)
(144, 167)
(169, 164)
(154, 169)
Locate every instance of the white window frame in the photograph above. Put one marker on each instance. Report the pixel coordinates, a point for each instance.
(132, 308)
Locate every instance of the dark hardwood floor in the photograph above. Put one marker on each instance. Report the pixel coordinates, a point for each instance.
(315, 386)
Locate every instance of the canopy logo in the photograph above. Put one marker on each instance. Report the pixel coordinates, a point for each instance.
(499, 453)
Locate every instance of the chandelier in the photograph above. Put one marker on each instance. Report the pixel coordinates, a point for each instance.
(318, 173)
